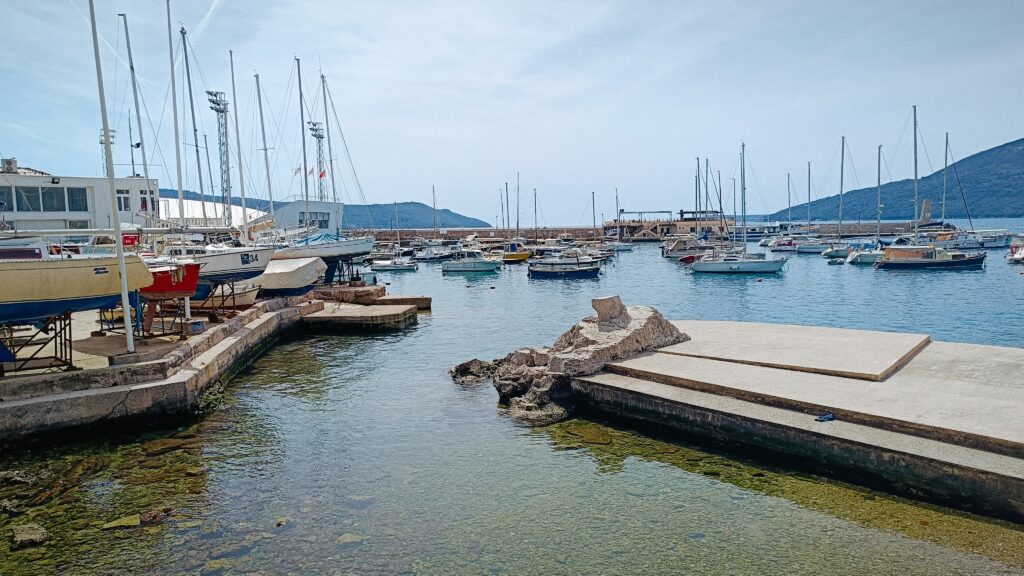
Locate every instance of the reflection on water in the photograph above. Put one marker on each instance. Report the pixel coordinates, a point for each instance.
(357, 454)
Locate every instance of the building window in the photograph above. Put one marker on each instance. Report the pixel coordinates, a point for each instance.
(124, 201)
(6, 199)
(318, 219)
(143, 201)
(28, 198)
(77, 200)
(53, 200)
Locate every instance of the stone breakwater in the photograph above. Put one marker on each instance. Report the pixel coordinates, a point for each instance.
(535, 382)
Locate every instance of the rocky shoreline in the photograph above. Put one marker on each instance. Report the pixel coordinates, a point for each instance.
(533, 383)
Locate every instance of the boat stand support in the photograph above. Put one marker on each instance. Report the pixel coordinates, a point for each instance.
(42, 346)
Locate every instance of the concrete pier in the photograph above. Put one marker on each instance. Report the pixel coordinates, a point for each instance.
(936, 420)
(172, 380)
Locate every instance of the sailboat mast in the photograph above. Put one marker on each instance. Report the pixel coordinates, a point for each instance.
(517, 204)
(743, 191)
(808, 195)
(508, 212)
(263, 134)
(138, 116)
(915, 174)
(398, 230)
(945, 167)
(302, 134)
(618, 225)
(842, 167)
(789, 200)
(696, 198)
(535, 230)
(195, 129)
(330, 156)
(437, 221)
(109, 157)
(209, 172)
(593, 213)
(238, 146)
(501, 206)
(734, 219)
(174, 113)
(878, 199)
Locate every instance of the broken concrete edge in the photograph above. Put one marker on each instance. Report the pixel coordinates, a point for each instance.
(534, 383)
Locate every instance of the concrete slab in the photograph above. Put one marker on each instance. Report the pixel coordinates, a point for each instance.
(917, 467)
(340, 314)
(420, 302)
(862, 354)
(964, 394)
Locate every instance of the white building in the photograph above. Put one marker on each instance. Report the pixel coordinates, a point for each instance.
(194, 211)
(34, 200)
(325, 215)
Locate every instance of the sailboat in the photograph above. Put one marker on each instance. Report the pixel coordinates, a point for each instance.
(926, 257)
(739, 263)
(837, 248)
(395, 262)
(331, 247)
(870, 255)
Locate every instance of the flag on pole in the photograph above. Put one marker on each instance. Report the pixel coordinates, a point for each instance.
(323, 174)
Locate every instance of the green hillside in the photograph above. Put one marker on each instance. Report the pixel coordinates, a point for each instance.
(992, 180)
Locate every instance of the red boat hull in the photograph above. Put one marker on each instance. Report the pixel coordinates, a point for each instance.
(173, 282)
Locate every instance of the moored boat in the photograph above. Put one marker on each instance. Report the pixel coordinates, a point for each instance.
(928, 257)
(571, 263)
(396, 264)
(470, 261)
(328, 246)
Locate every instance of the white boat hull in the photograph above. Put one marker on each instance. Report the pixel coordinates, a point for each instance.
(738, 266)
(470, 266)
(292, 277)
(335, 251)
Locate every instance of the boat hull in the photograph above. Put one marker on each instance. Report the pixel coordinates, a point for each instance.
(739, 267)
(477, 266)
(172, 282)
(966, 263)
(331, 251)
(34, 290)
(232, 265)
(565, 273)
(291, 277)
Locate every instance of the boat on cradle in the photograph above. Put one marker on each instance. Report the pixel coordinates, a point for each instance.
(572, 263)
(171, 280)
(433, 254)
(35, 286)
(395, 264)
(929, 258)
(291, 277)
(327, 246)
(222, 264)
(470, 261)
(723, 262)
(515, 253)
(229, 296)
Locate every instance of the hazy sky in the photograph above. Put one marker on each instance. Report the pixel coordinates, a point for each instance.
(576, 96)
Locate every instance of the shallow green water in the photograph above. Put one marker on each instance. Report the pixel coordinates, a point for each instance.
(358, 455)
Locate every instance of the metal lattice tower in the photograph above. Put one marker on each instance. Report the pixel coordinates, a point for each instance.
(219, 105)
(316, 129)
(103, 142)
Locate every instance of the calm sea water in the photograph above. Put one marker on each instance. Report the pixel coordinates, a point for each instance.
(358, 455)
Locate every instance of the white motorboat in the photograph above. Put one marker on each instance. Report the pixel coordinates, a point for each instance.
(396, 264)
(572, 263)
(328, 246)
(222, 264)
(684, 246)
(291, 277)
(836, 250)
(866, 256)
(470, 261)
(433, 254)
(1000, 238)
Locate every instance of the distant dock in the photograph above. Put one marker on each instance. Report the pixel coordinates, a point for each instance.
(174, 380)
(933, 420)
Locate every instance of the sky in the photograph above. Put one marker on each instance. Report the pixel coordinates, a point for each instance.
(574, 96)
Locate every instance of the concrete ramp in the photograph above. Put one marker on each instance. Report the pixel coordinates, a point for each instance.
(860, 354)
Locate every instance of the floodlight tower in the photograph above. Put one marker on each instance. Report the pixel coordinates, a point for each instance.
(219, 105)
(316, 129)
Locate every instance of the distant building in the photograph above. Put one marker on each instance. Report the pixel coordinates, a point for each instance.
(325, 215)
(194, 210)
(34, 200)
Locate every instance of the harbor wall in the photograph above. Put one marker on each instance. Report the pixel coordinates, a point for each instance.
(904, 473)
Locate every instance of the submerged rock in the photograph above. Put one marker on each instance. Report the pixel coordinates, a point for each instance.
(473, 371)
(125, 522)
(28, 535)
(15, 477)
(163, 446)
(349, 539)
(7, 507)
(534, 382)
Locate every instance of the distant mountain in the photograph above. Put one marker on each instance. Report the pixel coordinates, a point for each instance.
(992, 180)
(363, 216)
